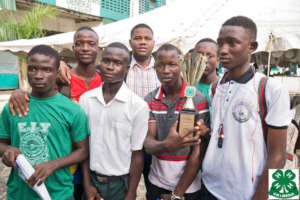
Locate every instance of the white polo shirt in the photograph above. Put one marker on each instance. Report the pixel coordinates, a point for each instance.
(233, 171)
(117, 128)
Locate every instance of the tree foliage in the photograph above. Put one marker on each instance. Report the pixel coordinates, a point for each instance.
(29, 27)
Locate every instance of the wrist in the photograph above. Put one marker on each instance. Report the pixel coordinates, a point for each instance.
(178, 192)
(175, 196)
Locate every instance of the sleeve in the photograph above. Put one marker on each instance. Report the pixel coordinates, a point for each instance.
(140, 127)
(82, 103)
(148, 100)
(5, 123)
(278, 105)
(80, 127)
(202, 111)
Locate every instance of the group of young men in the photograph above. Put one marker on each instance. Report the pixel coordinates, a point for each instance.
(131, 108)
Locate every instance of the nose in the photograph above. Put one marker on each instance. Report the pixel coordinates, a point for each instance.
(109, 66)
(166, 69)
(39, 75)
(85, 46)
(223, 50)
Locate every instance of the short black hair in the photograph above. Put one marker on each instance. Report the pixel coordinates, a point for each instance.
(47, 51)
(168, 47)
(140, 26)
(119, 45)
(206, 40)
(86, 28)
(244, 22)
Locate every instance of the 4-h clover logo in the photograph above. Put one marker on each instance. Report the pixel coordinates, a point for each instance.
(285, 184)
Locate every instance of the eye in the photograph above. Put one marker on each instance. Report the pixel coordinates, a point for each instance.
(31, 68)
(48, 70)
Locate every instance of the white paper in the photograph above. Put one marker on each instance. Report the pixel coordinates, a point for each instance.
(27, 171)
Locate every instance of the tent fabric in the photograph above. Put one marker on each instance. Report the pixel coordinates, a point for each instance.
(183, 23)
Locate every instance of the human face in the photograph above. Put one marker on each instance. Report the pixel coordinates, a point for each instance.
(114, 65)
(235, 47)
(167, 67)
(210, 50)
(86, 47)
(41, 73)
(142, 42)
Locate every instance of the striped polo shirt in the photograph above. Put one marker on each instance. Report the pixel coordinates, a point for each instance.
(167, 168)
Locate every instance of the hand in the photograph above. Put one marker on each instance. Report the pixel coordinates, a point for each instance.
(202, 128)
(10, 155)
(175, 141)
(92, 193)
(166, 196)
(19, 100)
(42, 172)
(64, 74)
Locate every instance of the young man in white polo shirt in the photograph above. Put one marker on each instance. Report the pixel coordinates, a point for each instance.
(118, 122)
(238, 157)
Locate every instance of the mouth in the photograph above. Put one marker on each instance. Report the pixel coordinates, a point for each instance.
(224, 60)
(85, 55)
(107, 76)
(166, 79)
(142, 49)
(39, 85)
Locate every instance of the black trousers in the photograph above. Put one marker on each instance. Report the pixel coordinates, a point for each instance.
(154, 192)
(205, 194)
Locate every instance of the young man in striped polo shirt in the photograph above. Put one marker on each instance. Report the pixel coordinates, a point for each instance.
(174, 172)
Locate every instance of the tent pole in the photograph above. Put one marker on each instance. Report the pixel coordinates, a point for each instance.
(270, 52)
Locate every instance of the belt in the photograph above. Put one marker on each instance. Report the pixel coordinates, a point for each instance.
(106, 179)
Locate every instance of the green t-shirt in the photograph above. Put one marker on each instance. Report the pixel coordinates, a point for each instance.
(45, 134)
(204, 88)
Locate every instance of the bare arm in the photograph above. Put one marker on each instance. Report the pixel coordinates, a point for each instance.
(190, 172)
(276, 148)
(173, 142)
(8, 153)
(44, 170)
(90, 190)
(136, 168)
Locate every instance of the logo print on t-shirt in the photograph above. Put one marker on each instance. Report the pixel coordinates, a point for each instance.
(33, 141)
(242, 111)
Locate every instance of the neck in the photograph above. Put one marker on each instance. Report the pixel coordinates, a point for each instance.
(85, 71)
(173, 90)
(41, 95)
(110, 90)
(235, 73)
(210, 78)
(143, 61)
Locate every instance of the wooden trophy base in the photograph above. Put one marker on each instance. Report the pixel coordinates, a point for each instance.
(186, 121)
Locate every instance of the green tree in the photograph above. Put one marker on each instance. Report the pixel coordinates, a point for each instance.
(29, 27)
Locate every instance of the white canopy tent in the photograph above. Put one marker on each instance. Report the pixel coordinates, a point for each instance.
(183, 23)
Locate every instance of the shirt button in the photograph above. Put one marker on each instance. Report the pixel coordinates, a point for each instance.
(227, 100)
(229, 92)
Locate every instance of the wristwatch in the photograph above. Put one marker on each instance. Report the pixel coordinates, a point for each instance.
(175, 197)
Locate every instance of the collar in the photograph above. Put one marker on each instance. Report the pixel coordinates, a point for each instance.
(135, 63)
(122, 94)
(244, 78)
(160, 93)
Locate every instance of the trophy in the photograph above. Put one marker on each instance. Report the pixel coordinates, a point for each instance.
(192, 66)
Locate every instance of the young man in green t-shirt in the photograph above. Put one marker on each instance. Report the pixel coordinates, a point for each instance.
(46, 135)
(208, 47)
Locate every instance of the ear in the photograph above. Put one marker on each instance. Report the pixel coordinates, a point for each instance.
(130, 43)
(253, 46)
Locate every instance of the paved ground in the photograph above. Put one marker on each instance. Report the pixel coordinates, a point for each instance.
(4, 172)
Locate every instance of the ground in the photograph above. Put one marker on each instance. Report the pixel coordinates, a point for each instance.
(4, 172)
